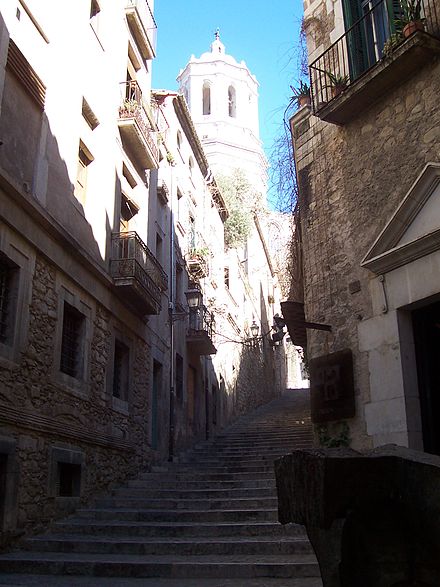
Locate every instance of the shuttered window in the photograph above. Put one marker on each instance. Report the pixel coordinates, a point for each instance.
(20, 67)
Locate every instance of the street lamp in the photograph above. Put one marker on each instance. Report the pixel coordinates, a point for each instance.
(255, 329)
(194, 298)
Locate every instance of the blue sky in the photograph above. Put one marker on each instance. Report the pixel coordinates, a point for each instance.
(263, 34)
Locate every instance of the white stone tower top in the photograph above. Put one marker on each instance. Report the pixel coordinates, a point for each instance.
(222, 96)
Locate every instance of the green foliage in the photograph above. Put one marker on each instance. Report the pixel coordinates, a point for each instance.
(341, 439)
(242, 202)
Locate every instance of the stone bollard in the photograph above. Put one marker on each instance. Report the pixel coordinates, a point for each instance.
(373, 518)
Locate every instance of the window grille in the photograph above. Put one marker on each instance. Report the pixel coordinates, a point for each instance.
(120, 371)
(5, 300)
(71, 341)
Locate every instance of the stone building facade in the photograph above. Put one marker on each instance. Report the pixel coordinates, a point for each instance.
(367, 157)
(104, 370)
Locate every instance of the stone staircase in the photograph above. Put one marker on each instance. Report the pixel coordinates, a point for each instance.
(210, 519)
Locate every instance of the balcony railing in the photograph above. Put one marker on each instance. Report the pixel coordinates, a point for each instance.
(135, 269)
(364, 45)
(137, 126)
(201, 330)
(143, 26)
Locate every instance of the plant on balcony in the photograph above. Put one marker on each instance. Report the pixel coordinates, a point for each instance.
(129, 107)
(392, 43)
(411, 19)
(338, 82)
(199, 254)
(301, 94)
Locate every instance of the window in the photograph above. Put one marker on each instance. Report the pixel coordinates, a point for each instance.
(191, 165)
(206, 98)
(88, 115)
(8, 287)
(65, 472)
(226, 277)
(121, 370)
(179, 139)
(128, 211)
(179, 283)
(232, 106)
(69, 480)
(159, 248)
(95, 13)
(72, 341)
(192, 241)
(84, 160)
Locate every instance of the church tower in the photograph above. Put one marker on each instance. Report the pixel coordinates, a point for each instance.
(222, 96)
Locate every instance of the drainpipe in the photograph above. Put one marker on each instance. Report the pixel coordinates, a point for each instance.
(171, 306)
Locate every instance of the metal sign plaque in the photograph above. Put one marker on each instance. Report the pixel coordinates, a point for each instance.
(332, 387)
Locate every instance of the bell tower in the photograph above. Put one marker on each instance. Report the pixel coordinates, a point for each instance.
(222, 96)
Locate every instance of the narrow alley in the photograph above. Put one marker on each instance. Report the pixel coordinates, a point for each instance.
(210, 519)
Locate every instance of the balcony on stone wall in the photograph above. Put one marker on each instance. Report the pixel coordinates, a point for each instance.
(142, 26)
(374, 56)
(197, 258)
(201, 329)
(136, 273)
(137, 126)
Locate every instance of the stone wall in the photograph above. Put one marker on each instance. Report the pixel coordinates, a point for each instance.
(43, 415)
(351, 179)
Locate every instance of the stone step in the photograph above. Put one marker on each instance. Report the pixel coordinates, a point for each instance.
(171, 482)
(201, 503)
(31, 580)
(173, 529)
(179, 493)
(236, 566)
(149, 515)
(201, 475)
(79, 543)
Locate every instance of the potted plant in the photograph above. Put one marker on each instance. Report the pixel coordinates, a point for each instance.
(301, 94)
(392, 43)
(129, 107)
(411, 19)
(338, 82)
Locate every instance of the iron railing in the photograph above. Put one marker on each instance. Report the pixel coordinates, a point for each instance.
(135, 107)
(147, 19)
(362, 46)
(201, 320)
(131, 258)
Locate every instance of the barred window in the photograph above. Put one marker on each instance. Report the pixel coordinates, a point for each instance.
(71, 343)
(120, 370)
(7, 275)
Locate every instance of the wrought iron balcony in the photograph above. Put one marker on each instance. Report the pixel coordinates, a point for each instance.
(201, 331)
(374, 55)
(137, 273)
(142, 26)
(137, 126)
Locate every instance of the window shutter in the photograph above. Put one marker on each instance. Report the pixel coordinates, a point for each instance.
(20, 67)
(356, 42)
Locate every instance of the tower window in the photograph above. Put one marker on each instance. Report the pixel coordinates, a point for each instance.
(206, 99)
(232, 102)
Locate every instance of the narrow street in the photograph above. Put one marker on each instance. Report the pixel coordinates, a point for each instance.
(209, 520)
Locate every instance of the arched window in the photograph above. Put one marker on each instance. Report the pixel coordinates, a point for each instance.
(232, 102)
(206, 98)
